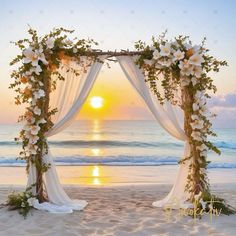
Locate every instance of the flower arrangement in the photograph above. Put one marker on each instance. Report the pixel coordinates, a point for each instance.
(181, 70)
(22, 202)
(39, 59)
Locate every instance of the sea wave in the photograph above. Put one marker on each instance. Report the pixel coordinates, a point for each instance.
(119, 143)
(226, 145)
(119, 160)
(101, 143)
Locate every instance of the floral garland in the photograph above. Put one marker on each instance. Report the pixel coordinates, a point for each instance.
(179, 67)
(33, 84)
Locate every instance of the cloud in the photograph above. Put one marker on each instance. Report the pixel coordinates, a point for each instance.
(225, 108)
(228, 100)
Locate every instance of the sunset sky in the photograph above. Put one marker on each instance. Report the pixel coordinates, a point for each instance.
(117, 24)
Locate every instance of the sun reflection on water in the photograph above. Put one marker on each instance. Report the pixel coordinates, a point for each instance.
(96, 172)
(96, 130)
(96, 151)
(96, 175)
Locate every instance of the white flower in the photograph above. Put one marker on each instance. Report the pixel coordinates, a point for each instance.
(156, 55)
(31, 201)
(186, 68)
(68, 42)
(196, 136)
(202, 147)
(178, 55)
(34, 129)
(37, 111)
(43, 59)
(153, 48)
(32, 149)
(26, 127)
(194, 81)
(33, 139)
(196, 48)
(166, 63)
(50, 43)
(30, 56)
(197, 124)
(204, 111)
(32, 79)
(31, 120)
(41, 56)
(165, 49)
(199, 95)
(184, 64)
(42, 121)
(196, 59)
(197, 71)
(194, 117)
(38, 94)
(37, 70)
(28, 134)
(195, 106)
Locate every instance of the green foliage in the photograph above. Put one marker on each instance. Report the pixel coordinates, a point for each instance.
(21, 201)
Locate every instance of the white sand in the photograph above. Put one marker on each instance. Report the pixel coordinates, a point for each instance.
(120, 201)
(121, 210)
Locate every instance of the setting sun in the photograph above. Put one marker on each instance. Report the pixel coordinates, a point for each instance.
(96, 102)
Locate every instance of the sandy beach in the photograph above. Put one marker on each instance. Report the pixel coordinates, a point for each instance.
(118, 205)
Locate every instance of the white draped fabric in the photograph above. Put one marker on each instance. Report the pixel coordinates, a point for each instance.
(68, 98)
(166, 117)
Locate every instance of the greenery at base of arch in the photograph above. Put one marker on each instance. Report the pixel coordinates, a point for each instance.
(184, 67)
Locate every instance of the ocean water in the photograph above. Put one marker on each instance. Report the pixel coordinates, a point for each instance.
(122, 143)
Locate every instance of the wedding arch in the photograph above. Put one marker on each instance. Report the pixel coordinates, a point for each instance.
(55, 79)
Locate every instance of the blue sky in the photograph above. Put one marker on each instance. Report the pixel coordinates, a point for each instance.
(117, 24)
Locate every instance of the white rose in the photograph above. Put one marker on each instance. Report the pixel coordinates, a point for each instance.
(34, 129)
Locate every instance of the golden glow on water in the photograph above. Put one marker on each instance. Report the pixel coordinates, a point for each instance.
(96, 130)
(96, 177)
(96, 181)
(96, 171)
(96, 151)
